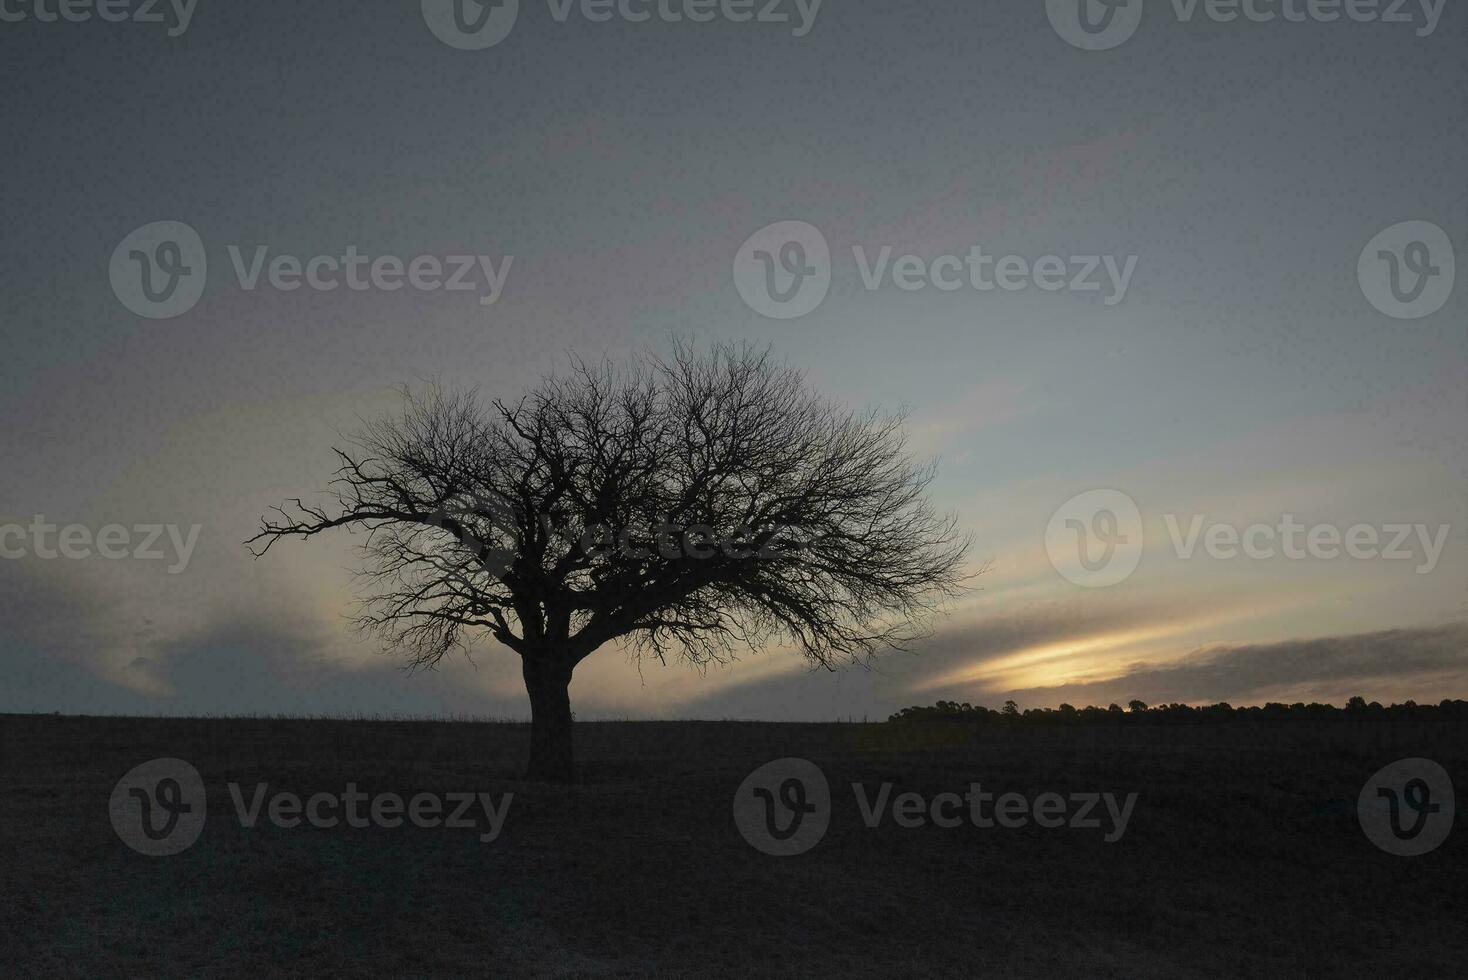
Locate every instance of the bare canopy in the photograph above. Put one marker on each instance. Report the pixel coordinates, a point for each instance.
(687, 506)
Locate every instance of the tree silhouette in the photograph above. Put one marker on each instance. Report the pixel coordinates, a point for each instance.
(691, 506)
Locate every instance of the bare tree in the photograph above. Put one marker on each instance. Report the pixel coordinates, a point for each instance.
(686, 506)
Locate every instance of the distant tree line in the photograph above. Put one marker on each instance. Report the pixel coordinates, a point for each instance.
(1139, 712)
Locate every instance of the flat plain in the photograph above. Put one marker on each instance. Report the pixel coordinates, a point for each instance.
(1243, 855)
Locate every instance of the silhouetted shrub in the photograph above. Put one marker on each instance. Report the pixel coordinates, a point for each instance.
(1356, 709)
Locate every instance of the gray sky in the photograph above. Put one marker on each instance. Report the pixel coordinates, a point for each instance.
(1243, 374)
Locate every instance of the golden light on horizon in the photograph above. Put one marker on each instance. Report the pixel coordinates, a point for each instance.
(1100, 656)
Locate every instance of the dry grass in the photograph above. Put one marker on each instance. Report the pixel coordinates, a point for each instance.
(1243, 856)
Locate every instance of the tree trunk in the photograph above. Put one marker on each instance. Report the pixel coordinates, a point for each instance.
(548, 682)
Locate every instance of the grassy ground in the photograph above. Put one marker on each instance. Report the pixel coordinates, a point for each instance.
(1243, 856)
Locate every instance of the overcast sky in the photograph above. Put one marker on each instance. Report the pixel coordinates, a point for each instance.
(1233, 365)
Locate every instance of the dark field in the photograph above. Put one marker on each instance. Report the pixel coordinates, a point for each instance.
(1243, 855)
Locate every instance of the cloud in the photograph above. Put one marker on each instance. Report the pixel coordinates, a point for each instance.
(982, 406)
(56, 653)
(246, 664)
(73, 645)
(1418, 662)
(953, 664)
(896, 680)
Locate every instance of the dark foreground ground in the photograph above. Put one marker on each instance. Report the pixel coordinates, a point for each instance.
(1243, 856)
